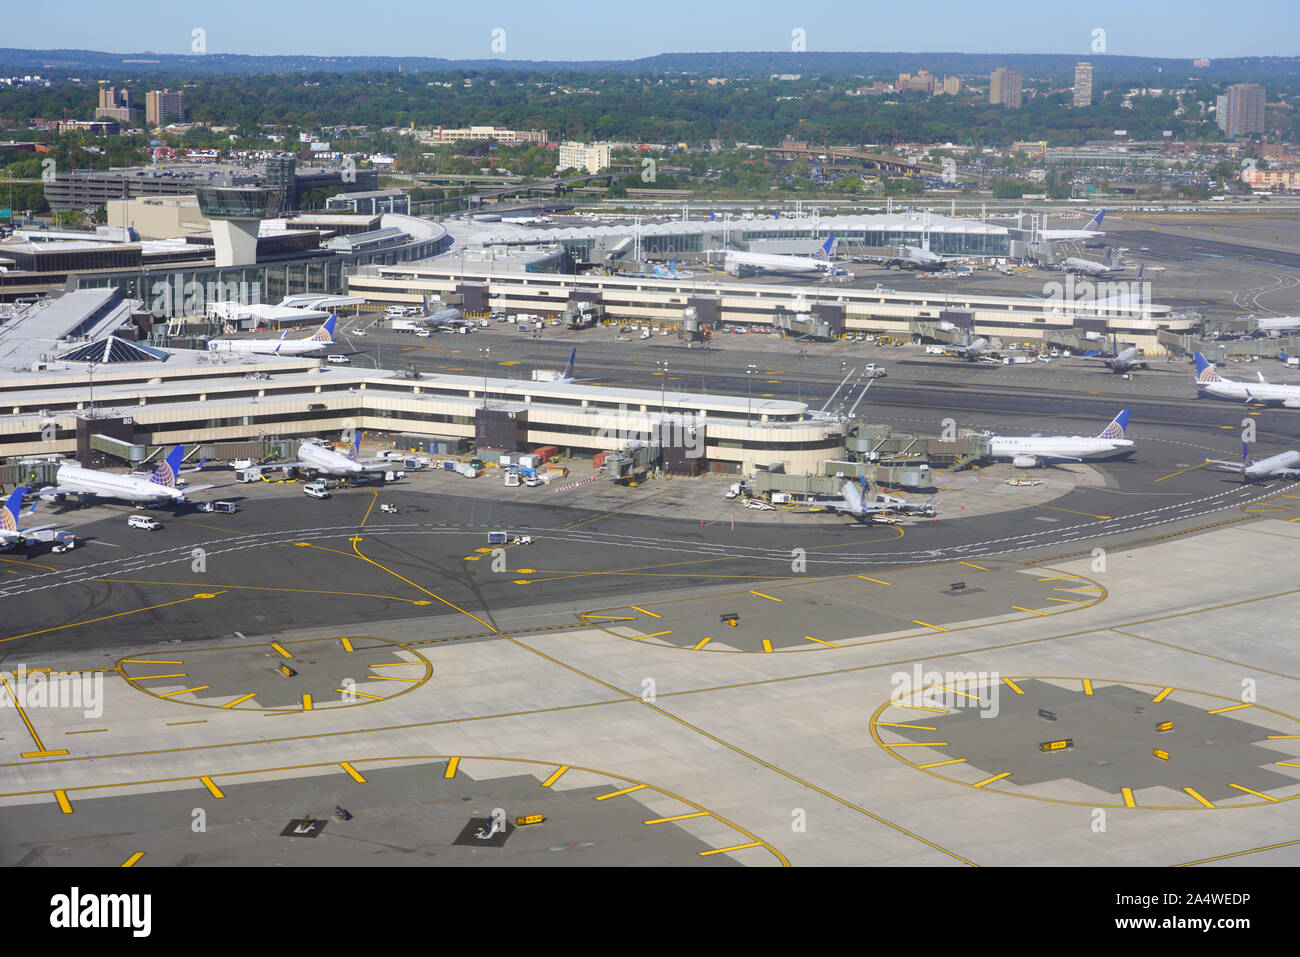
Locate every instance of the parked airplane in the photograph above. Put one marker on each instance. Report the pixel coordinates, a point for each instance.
(1282, 465)
(970, 352)
(319, 458)
(283, 346)
(1124, 361)
(10, 514)
(565, 377)
(1027, 452)
(1088, 232)
(438, 317)
(914, 257)
(1089, 268)
(158, 488)
(1209, 382)
(819, 261)
(853, 502)
(671, 272)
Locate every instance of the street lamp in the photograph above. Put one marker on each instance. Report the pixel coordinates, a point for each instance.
(486, 352)
(749, 392)
(663, 384)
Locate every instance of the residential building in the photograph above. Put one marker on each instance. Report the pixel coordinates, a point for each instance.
(593, 158)
(1241, 109)
(1004, 88)
(480, 133)
(1082, 85)
(161, 104)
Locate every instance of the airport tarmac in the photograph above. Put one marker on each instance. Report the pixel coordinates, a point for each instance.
(663, 688)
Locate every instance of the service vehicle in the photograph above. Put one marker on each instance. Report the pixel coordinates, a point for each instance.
(147, 522)
(316, 490)
(228, 508)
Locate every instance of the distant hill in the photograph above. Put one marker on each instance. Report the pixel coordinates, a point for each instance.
(91, 63)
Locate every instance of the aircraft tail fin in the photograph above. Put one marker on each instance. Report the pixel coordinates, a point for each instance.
(852, 495)
(568, 369)
(166, 473)
(1205, 371)
(326, 331)
(1247, 460)
(9, 512)
(1140, 269)
(1096, 220)
(1108, 251)
(1116, 428)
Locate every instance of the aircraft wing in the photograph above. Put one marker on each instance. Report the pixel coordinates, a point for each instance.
(196, 488)
(1287, 473)
(1224, 463)
(22, 533)
(53, 490)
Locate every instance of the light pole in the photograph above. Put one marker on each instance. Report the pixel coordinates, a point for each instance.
(749, 392)
(487, 356)
(663, 384)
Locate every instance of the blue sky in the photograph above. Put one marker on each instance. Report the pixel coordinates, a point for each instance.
(624, 29)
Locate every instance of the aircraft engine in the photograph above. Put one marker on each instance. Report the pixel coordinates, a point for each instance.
(1025, 462)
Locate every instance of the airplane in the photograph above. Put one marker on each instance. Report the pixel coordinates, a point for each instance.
(1027, 452)
(439, 318)
(1088, 232)
(283, 346)
(1282, 465)
(734, 262)
(914, 257)
(1119, 362)
(970, 352)
(1089, 268)
(1209, 382)
(565, 377)
(853, 502)
(670, 271)
(10, 513)
(1275, 325)
(158, 488)
(318, 458)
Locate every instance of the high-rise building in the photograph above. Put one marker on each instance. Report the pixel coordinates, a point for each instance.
(951, 85)
(115, 104)
(592, 158)
(1004, 88)
(161, 104)
(1082, 84)
(922, 82)
(1241, 109)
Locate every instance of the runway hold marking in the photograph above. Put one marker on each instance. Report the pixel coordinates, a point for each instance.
(352, 772)
(1013, 686)
(215, 791)
(133, 859)
(1128, 797)
(1162, 695)
(614, 794)
(450, 772)
(555, 775)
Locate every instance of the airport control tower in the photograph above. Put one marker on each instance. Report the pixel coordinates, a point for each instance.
(235, 213)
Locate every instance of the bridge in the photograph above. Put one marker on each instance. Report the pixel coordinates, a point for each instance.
(833, 154)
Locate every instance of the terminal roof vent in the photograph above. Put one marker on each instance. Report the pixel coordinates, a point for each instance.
(113, 349)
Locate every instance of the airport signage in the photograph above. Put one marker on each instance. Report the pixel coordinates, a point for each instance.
(1049, 715)
(529, 819)
(6, 214)
(1056, 745)
(1165, 726)
(1162, 755)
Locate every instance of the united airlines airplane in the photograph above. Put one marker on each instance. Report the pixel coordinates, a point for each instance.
(1209, 382)
(158, 488)
(1282, 465)
(10, 513)
(284, 346)
(1031, 451)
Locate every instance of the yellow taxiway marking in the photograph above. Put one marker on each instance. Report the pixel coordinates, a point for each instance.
(1072, 601)
(939, 764)
(866, 578)
(926, 624)
(215, 791)
(483, 551)
(767, 645)
(1162, 695)
(1032, 611)
(996, 777)
(920, 744)
(175, 724)
(1189, 469)
(280, 648)
(151, 677)
(450, 772)
(1200, 800)
(386, 678)
(87, 731)
(1082, 588)
(702, 642)
(352, 772)
(393, 664)
(964, 694)
(306, 702)
(614, 794)
(657, 634)
(1060, 578)
(919, 707)
(608, 617)
(41, 751)
(231, 704)
(347, 645)
(918, 727)
(362, 694)
(768, 597)
(555, 775)
(644, 612)
(1256, 793)
(1272, 736)
(973, 565)
(1235, 707)
(149, 661)
(677, 817)
(828, 644)
(735, 847)
(64, 805)
(133, 859)
(168, 694)
(1013, 686)
(120, 614)
(1253, 850)
(1087, 686)
(1128, 797)
(1057, 508)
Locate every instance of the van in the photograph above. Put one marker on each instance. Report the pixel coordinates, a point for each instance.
(512, 480)
(338, 360)
(316, 490)
(227, 508)
(147, 522)
(645, 333)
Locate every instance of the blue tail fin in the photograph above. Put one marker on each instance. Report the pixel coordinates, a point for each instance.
(568, 369)
(166, 473)
(1108, 255)
(9, 513)
(1205, 372)
(326, 331)
(355, 452)
(1246, 459)
(1116, 428)
(1140, 269)
(1095, 221)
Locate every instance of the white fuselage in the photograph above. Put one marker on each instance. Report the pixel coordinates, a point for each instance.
(1072, 264)
(775, 263)
(1267, 468)
(268, 347)
(1269, 392)
(327, 460)
(1057, 447)
(126, 488)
